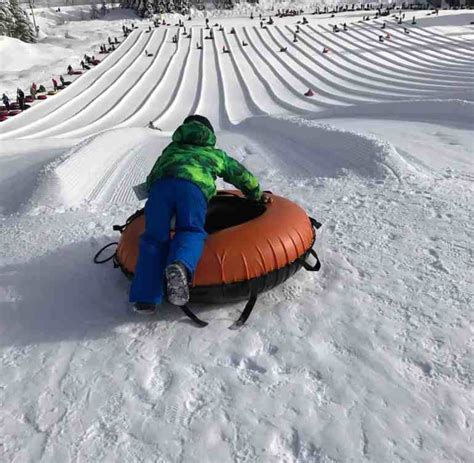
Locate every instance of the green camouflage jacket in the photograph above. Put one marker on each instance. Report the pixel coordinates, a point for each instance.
(192, 156)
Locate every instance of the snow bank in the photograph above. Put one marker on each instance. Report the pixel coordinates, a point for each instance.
(16, 55)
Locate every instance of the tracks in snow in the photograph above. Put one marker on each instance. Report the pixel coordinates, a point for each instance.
(129, 89)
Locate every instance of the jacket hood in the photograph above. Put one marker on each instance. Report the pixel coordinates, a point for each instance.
(194, 133)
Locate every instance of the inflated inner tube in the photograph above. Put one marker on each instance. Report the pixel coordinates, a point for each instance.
(251, 247)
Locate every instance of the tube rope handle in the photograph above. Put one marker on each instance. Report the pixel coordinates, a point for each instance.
(103, 261)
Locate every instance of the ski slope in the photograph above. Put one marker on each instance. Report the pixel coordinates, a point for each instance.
(368, 360)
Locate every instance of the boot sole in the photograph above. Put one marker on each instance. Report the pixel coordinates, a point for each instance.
(177, 285)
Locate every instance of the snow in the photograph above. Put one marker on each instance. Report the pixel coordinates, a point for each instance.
(369, 359)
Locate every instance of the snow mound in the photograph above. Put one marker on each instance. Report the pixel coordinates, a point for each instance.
(20, 56)
(324, 151)
(106, 157)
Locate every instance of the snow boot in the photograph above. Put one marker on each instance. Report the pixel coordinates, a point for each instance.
(145, 308)
(177, 288)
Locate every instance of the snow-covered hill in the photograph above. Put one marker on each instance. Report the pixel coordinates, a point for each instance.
(368, 360)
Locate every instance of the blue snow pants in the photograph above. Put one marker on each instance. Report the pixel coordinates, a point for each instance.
(169, 197)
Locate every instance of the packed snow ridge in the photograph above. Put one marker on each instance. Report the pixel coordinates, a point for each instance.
(368, 360)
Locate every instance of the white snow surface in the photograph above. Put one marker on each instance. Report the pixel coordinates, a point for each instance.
(370, 359)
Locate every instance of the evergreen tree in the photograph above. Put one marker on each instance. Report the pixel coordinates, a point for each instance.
(22, 28)
(94, 11)
(149, 9)
(7, 21)
(103, 8)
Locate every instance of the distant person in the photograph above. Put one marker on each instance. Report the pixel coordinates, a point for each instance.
(69, 69)
(20, 98)
(55, 84)
(180, 184)
(6, 101)
(152, 126)
(33, 90)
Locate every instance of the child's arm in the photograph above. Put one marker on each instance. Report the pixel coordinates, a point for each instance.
(236, 174)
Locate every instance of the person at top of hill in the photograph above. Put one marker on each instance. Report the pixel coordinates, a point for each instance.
(180, 184)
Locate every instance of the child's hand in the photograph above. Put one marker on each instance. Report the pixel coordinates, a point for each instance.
(266, 199)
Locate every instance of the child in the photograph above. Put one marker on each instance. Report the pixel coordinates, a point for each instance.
(180, 185)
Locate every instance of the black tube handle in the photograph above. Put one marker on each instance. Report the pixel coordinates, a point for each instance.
(103, 261)
(309, 267)
(315, 224)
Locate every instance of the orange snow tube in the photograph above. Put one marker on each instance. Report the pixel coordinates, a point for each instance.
(246, 241)
(251, 248)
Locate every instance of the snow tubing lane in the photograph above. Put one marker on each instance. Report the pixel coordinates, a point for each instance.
(263, 246)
